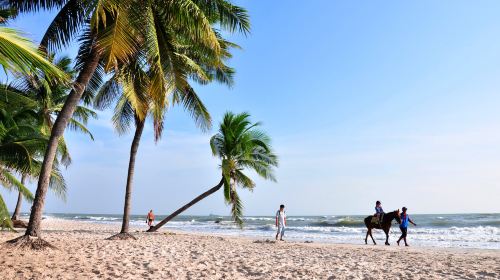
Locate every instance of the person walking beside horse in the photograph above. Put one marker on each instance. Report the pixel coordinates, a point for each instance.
(404, 225)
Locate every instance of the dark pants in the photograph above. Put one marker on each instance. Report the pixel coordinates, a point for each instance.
(403, 231)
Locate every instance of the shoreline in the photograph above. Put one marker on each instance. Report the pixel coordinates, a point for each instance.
(83, 252)
(469, 237)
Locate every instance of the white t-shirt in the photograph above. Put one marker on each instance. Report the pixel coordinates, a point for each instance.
(281, 217)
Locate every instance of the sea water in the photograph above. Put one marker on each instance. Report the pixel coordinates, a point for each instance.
(446, 230)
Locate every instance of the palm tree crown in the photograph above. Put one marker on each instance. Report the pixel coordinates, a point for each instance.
(240, 144)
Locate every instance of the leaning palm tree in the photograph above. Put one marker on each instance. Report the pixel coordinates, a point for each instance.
(110, 37)
(239, 145)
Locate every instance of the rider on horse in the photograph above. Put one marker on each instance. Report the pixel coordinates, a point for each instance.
(378, 211)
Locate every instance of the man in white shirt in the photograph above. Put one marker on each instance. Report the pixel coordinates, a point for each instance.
(281, 222)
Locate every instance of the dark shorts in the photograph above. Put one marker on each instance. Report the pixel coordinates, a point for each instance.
(150, 220)
(403, 231)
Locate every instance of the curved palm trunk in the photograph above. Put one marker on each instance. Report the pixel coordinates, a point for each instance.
(185, 207)
(130, 176)
(17, 211)
(34, 225)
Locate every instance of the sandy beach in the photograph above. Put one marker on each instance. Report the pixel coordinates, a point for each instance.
(83, 253)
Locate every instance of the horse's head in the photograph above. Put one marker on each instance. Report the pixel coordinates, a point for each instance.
(397, 216)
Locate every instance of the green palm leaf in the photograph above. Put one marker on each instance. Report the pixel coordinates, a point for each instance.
(18, 54)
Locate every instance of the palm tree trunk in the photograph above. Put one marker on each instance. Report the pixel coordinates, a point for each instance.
(185, 207)
(34, 225)
(17, 211)
(139, 127)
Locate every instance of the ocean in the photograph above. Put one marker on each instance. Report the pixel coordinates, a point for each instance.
(443, 230)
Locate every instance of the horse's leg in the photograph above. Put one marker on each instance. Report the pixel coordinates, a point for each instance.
(373, 239)
(386, 237)
(366, 238)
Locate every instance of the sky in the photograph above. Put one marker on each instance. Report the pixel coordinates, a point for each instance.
(395, 101)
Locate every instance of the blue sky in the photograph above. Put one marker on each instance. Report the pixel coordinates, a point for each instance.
(393, 101)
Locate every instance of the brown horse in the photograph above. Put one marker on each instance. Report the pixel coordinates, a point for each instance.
(385, 225)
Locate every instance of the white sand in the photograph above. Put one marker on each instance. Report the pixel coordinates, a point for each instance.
(85, 254)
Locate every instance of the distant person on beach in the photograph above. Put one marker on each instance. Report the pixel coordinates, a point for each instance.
(280, 222)
(404, 225)
(150, 218)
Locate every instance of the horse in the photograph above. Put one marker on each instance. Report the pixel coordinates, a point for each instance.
(385, 225)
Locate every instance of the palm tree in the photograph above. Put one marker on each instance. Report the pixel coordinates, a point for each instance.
(111, 37)
(20, 55)
(17, 143)
(18, 113)
(239, 145)
(47, 100)
(129, 90)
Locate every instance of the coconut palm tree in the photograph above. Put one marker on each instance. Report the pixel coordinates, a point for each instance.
(46, 100)
(20, 146)
(129, 90)
(239, 145)
(111, 37)
(17, 143)
(19, 112)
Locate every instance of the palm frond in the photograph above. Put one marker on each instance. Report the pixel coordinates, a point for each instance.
(35, 5)
(57, 184)
(83, 114)
(230, 17)
(10, 182)
(5, 221)
(65, 25)
(107, 94)
(19, 54)
(193, 104)
(123, 116)
(243, 180)
(236, 208)
(117, 39)
(75, 125)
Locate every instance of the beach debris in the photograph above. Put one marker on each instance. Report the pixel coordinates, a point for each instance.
(122, 236)
(265, 241)
(308, 241)
(19, 224)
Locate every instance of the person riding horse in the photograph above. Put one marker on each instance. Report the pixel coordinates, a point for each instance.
(385, 224)
(379, 212)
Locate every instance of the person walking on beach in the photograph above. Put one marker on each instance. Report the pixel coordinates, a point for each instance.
(280, 222)
(404, 225)
(150, 218)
